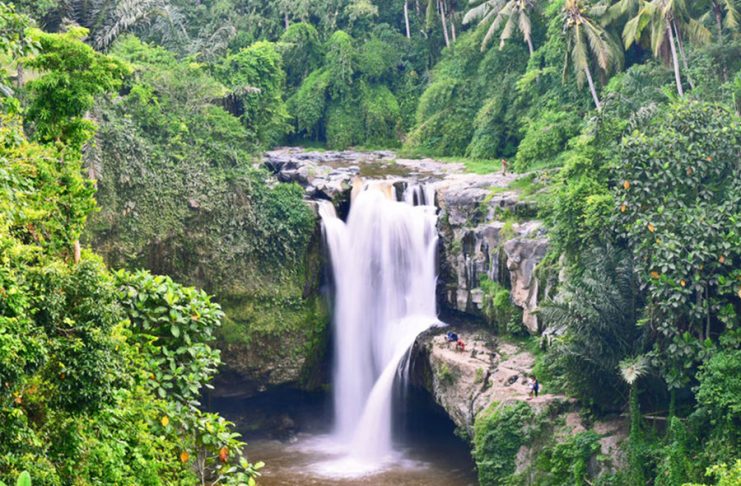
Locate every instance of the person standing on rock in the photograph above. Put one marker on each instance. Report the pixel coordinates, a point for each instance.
(534, 387)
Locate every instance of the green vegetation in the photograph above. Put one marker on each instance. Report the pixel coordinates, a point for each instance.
(100, 373)
(499, 432)
(498, 308)
(134, 126)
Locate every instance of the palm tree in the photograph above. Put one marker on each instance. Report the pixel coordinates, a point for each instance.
(726, 15)
(585, 36)
(107, 19)
(665, 18)
(513, 14)
(631, 369)
(594, 316)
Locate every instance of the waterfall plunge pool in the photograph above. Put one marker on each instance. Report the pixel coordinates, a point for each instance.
(291, 430)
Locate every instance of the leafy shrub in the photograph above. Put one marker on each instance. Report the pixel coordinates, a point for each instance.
(499, 432)
(376, 59)
(340, 62)
(566, 462)
(256, 77)
(381, 115)
(301, 50)
(498, 308)
(309, 104)
(344, 125)
(545, 138)
(179, 322)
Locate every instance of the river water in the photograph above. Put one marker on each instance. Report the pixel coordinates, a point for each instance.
(291, 432)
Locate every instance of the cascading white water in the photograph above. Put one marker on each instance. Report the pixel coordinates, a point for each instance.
(383, 262)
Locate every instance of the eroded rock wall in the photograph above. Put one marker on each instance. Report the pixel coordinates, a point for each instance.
(489, 234)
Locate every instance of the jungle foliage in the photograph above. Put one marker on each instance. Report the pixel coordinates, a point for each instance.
(100, 373)
(632, 106)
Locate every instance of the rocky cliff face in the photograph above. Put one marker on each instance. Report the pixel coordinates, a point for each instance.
(488, 233)
(492, 375)
(487, 230)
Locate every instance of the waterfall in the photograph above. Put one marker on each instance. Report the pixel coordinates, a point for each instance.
(383, 263)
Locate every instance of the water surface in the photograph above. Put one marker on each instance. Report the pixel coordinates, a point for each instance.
(291, 432)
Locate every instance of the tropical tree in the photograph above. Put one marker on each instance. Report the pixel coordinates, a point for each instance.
(108, 19)
(585, 36)
(726, 15)
(666, 20)
(512, 14)
(445, 11)
(594, 316)
(631, 369)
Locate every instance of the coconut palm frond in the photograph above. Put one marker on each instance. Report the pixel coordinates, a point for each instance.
(698, 33)
(631, 369)
(507, 15)
(732, 18)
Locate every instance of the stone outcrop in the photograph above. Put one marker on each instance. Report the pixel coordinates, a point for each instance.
(494, 373)
(466, 382)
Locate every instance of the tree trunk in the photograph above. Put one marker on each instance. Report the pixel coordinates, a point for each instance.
(444, 22)
(406, 18)
(592, 89)
(719, 22)
(707, 313)
(19, 75)
(718, 18)
(452, 25)
(675, 61)
(635, 411)
(682, 54)
(530, 46)
(285, 20)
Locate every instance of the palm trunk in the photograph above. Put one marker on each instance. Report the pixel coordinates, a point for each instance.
(452, 28)
(680, 42)
(444, 22)
(718, 19)
(406, 18)
(675, 61)
(719, 23)
(530, 46)
(592, 89)
(707, 313)
(635, 411)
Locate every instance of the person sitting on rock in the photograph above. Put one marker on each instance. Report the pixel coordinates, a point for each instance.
(460, 345)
